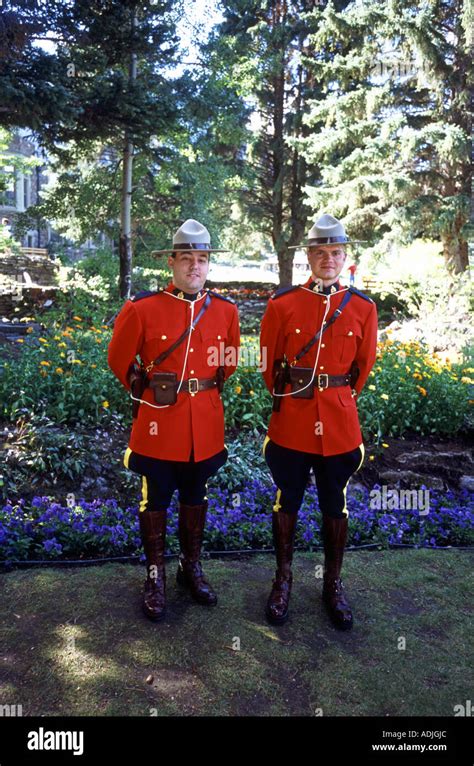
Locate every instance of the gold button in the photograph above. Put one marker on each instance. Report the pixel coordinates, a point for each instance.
(300, 381)
(297, 330)
(323, 345)
(325, 301)
(322, 367)
(193, 394)
(163, 387)
(191, 372)
(350, 332)
(218, 337)
(191, 349)
(163, 337)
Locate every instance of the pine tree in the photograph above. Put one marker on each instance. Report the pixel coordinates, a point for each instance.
(264, 43)
(392, 131)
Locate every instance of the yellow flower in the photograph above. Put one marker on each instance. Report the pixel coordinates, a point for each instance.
(371, 457)
(20, 340)
(59, 370)
(76, 361)
(45, 364)
(29, 329)
(465, 379)
(98, 340)
(251, 393)
(42, 340)
(372, 373)
(105, 404)
(372, 388)
(417, 376)
(385, 445)
(238, 389)
(62, 345)
(62, 354)
(469, 370)
(384, 396)
(93, 365)
(422, 390)
(57, 337)
(78, 319)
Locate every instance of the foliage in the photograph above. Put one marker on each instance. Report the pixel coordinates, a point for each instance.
(391, 134)
(408, 390)
(45, 529)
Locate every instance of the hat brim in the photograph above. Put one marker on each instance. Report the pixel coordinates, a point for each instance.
(183, 250)
(327, 244)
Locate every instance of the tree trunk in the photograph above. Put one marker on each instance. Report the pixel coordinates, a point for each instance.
(455, 253)
(125, 242)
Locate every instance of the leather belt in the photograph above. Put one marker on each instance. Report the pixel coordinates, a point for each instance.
(193, 385)
(320, 381)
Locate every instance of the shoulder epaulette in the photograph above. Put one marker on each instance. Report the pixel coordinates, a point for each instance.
(360, 294)
(222, 297)
(283, 291)
(144, 294)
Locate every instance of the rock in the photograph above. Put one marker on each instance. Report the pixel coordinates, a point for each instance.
(410, 479)
(467, 482)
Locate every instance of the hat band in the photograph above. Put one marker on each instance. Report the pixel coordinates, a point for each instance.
(326, 240)
(191, 246)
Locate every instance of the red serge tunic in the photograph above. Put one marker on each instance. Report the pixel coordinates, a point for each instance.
(148, 325)
(328, 424)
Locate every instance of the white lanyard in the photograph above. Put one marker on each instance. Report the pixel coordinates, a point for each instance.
(329, 296)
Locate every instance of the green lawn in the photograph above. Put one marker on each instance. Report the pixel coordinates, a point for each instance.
(74, 641)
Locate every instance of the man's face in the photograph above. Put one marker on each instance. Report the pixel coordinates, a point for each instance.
(189, 270)
(326, 261)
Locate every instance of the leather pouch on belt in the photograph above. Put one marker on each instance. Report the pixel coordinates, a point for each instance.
(299, 378)
(164, 385)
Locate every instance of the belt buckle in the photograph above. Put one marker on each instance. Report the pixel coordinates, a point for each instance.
(320, 384)
(191, 389)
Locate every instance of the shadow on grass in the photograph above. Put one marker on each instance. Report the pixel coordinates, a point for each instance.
(75, 642)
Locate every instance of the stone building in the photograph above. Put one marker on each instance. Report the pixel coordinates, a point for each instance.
(23, 192)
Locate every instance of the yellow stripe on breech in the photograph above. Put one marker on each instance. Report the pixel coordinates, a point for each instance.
(345, 509)
(277, 505)
(126, 457)
(144, 500)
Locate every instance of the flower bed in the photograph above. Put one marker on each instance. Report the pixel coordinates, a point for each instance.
(46, 530)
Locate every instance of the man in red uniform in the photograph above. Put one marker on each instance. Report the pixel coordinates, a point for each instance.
(188, 340)
(320, 340)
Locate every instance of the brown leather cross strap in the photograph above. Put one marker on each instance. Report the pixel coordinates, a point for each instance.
(165, 354)
(326, 325)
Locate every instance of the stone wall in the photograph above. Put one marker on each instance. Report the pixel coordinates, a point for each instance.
(14, 288)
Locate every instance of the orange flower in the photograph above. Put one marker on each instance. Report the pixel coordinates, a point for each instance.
(422, 390)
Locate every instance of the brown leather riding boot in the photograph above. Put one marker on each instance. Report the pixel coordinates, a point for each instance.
(191, 531)
(153, 534)
(283, 527)
(334, 538)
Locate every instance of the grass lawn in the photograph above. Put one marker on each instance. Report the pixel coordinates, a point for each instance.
(74, 641)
